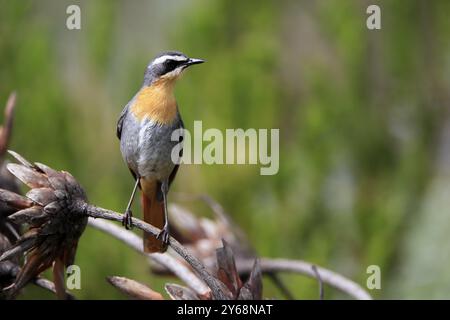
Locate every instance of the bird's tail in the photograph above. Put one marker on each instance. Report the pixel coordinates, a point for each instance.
(154, 215)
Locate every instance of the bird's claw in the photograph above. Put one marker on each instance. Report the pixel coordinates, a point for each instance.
(126, 220)
(164, 235)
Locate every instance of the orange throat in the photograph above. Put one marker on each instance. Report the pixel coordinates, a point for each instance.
(156, 102)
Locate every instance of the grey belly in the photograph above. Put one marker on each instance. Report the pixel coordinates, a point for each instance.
(147, 148)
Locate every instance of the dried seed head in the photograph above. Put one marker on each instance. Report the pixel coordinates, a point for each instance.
(48, 210)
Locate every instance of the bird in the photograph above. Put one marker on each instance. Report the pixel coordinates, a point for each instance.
(145, 128)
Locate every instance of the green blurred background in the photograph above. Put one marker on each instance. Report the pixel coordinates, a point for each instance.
(363, 115)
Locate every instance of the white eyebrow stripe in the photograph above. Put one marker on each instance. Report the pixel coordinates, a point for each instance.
(166, 57)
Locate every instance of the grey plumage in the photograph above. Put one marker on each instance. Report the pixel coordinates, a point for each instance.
(147, 146)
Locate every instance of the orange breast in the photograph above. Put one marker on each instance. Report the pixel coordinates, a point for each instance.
(157, 102)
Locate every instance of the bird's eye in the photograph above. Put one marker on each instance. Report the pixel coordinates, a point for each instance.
(170, 65)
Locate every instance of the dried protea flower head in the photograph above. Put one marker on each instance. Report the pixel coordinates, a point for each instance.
(53, 229)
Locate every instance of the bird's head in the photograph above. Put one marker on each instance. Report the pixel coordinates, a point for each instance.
(168, 66)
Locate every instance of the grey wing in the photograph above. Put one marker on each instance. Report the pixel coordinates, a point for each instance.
(122, 116)
(175, 169)
(181, 123)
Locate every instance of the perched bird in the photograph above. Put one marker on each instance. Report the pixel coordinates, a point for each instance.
(145, 128)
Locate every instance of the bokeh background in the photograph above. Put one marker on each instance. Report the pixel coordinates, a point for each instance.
(363, 116)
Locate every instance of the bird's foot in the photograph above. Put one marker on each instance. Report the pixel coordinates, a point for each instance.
(164, 235)
(126, 220)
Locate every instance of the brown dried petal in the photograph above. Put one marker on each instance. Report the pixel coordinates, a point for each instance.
(252, 289)
(42, 196)
(14, 200)
(33, 215)
(53, 207)
(29, 176)
(21, 159)
(227, 272)
(31, 233)
(18, 249)
(177, 292)
(74, 186)
(56, 179)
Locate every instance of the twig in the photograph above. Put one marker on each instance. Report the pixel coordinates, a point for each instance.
(8, 123)
(218, 289)
(297, 266)
(50, 286)
(319, 279)
(135, 242)
(280, 285)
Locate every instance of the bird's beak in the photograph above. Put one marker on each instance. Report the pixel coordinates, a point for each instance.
(193, 61)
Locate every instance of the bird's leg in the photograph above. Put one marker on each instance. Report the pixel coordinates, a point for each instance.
(164, 235)
(126, 220)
